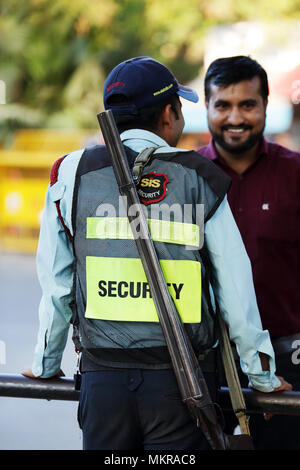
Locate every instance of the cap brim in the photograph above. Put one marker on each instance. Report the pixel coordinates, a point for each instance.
(187, 93)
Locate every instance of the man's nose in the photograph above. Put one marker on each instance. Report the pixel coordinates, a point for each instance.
(235, 117)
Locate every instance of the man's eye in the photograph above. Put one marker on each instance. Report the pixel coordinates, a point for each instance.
(248, 105)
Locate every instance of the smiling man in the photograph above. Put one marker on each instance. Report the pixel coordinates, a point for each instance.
(265, 201)
(236, 106)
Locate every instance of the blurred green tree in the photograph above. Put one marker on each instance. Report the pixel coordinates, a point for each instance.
(55, 54)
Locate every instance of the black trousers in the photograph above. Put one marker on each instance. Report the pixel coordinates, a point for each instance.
(134, 409)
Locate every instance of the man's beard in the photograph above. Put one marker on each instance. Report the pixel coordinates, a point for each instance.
(237, 149)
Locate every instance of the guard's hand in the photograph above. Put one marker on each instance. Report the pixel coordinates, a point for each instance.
(284, 386)
(28, 373)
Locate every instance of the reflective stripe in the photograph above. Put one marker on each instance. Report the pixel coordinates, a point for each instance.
(117, 289)
(160, 230)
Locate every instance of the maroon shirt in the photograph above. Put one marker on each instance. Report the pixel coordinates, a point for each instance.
(265, 202)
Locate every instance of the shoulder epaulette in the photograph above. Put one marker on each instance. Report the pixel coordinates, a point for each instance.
(53, 180)
(54, 170)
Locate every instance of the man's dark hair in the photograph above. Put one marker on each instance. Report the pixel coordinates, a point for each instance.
(232, 70)
(147, 118)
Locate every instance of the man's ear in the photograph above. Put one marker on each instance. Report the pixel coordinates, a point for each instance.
(166, 116)
(165, 124)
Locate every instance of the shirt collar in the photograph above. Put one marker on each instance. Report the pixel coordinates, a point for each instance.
(140, 136)
(212, 152)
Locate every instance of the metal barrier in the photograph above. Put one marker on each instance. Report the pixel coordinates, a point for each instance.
(24, 177)
(62, 388)
(18, 386)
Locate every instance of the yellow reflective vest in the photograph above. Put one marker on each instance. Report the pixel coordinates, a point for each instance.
(114, 309)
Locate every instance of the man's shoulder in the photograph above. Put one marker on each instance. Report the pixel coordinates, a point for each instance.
(206, 169)
(89, 159)
(206, 151)
(63, 163)
(189, 158)
(284, 154)
(203, 148)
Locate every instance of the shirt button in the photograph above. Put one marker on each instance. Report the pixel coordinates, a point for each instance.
(240, 209)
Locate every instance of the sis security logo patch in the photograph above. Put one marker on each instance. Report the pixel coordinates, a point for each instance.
(152, 187)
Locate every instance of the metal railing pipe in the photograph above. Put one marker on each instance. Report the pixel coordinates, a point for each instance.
(62, 388)
(18, 386)
(277, 403)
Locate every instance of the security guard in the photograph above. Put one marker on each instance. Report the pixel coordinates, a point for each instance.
(90, 271)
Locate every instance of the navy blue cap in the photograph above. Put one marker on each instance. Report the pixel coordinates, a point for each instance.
(144, 82)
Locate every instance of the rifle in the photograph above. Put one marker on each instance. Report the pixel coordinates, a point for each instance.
(190, 379)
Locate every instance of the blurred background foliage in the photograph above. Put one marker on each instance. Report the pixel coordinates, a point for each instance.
(55, 54)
